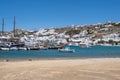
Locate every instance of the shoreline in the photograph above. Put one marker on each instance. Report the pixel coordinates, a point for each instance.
(53, 59)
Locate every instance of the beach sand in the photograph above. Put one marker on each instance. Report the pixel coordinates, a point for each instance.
(72, 69)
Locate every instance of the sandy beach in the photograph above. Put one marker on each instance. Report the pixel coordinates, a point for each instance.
(73, 69)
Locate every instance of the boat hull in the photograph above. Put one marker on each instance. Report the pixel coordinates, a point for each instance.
(51, 47)
(35, 48)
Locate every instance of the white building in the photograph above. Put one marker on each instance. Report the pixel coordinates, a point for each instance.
(114, 37)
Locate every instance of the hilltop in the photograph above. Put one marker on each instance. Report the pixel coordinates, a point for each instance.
(97, 29)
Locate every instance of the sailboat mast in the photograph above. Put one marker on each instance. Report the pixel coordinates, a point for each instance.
(14, 24)
(2, 26)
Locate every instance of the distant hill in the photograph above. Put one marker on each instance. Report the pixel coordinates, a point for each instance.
(97, 29)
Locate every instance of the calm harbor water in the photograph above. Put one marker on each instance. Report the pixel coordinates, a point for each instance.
(92, 52)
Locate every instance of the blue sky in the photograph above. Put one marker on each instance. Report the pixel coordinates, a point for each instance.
(36, 14)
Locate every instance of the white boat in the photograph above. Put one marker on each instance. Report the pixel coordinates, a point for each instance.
(4, 48)
(66, 50)
(13, 48)
(85, 45)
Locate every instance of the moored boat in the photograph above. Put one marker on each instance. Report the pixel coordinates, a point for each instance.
(84, 45)
(33, 48)
(4, 48)
(67, 49)
(55, 47)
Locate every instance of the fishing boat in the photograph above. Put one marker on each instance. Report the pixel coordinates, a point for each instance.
(4, 48)
(85, 45)
(67, 49)
(33, 48)
(55, 47)
(52, 45)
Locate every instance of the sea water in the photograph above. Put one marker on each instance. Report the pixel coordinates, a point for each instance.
(91, 52)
